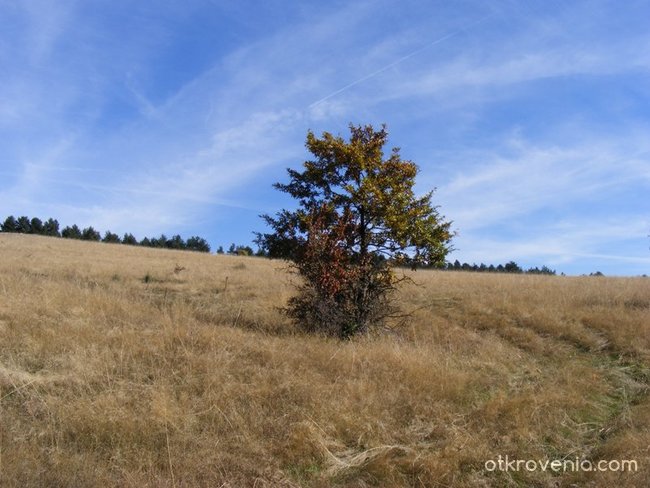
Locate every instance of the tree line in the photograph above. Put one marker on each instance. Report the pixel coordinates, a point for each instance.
(509, 267)
(50, 227)
(242, 250)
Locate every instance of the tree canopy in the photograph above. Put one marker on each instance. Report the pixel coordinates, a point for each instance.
(357, 217)
(354, 181)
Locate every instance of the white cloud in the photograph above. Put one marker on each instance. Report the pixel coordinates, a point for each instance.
(561, 243)
(538, 177)
(462, 71)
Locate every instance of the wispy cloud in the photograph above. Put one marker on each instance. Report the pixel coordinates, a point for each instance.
(531, 177)
(563, 243)
(551, 204)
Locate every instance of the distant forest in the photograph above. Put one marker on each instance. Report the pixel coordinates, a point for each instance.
(50, 227)
(510, 267)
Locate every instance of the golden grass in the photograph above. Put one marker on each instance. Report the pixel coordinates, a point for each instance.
(123, 366)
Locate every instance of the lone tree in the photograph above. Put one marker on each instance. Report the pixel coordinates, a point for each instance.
(357, 218)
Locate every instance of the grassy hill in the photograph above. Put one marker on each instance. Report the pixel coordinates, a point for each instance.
(124, 366)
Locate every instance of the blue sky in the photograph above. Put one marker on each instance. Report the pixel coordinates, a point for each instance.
(531, 118)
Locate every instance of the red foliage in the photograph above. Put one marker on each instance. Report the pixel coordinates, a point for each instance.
(326, 262)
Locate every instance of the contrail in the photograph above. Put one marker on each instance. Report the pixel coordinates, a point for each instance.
(404, 58)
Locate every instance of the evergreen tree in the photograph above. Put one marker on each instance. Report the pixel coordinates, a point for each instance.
(160, 241)
(71, 232)
(24, 225)
(196, 243)
(10, 224)
(36, 226)
(176, 242)
(111, 238)
(90, 234)
(129, 239)
(51, 228)
(512, 267)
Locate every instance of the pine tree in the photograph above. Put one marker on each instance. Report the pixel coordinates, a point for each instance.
(10, 224)
(36, 226)
(90, 234)
(71, 232)
(24, 225)
(51, 228)
(196, 243)
(111, 238)
(129, 239)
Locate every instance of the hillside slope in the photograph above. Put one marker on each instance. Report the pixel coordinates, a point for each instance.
(124, 366)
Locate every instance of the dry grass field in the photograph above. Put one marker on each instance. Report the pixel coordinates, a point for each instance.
(123, 366)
